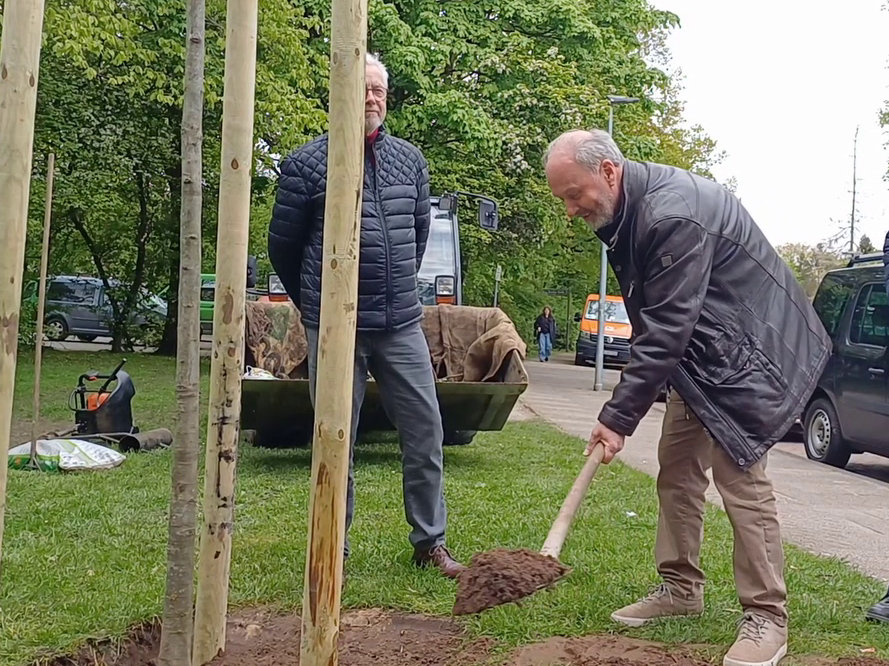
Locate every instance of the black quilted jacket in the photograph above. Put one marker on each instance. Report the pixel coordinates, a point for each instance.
(394, 229)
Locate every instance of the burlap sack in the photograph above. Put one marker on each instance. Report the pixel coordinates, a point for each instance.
(275, 339)
(466, 344)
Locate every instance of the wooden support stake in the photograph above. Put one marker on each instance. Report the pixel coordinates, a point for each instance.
(41, 305)
(228, 330)
(19, 67)
(177, 633)
(336, 346)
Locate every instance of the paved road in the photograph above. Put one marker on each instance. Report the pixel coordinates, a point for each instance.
(823, 509)
(104, 344)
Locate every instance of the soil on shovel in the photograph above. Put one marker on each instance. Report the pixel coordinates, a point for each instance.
(374, 637)
(501, 576)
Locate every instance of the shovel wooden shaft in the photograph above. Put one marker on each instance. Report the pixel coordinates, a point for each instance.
(559, 531)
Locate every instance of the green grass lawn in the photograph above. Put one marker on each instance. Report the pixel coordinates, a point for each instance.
(84, 554)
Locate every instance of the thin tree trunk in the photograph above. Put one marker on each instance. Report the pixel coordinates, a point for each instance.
(19, 66)
(119, 338)
(227, 364)
(41, 305)
(168, 343)
(142, 235)
(177, 633)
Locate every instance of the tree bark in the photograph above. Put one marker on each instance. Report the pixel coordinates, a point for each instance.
(177, 633)
(168, 343)
(19, 67)
(143, 234)
(119, 340)
(227, 364)
(41, 305)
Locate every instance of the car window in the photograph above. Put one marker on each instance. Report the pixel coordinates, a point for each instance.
(62, 291)
(85, 292)
(830, 300)
(440, 257)
(870, 319)
(615, 312)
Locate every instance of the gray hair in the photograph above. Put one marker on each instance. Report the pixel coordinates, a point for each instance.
(374, 60)
(589, 148)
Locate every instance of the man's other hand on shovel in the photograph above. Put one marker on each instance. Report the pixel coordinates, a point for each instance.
(612, 442)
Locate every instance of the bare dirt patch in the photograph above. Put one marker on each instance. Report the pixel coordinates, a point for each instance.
(373, 637)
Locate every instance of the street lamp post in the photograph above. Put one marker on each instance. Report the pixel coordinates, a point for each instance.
(603, 271)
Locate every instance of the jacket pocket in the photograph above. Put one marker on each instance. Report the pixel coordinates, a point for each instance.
(741, 363)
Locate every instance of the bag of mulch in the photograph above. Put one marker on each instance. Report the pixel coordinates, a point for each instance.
(54, 455)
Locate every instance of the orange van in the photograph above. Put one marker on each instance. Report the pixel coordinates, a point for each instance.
(618, 332)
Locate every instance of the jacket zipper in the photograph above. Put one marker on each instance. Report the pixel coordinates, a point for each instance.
(386, 247)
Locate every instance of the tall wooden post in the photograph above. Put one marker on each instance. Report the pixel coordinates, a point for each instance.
(336, 346)
(19, 67)
(41, 304)
(228, 330)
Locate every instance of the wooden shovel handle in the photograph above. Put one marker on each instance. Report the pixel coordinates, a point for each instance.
(559, 531)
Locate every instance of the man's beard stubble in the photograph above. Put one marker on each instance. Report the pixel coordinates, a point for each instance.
(371, 123)
(603, 214)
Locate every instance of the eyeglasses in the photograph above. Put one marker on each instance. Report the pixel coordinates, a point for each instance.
(378, 93)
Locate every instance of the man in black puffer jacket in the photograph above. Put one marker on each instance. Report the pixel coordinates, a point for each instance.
(395, 212)
(720, 318)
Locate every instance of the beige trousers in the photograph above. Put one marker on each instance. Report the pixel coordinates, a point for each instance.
(685, 452)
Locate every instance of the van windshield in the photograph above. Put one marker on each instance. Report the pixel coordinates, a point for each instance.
(615, 312)
(440, 257)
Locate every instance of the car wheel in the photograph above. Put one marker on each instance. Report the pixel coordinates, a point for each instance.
(578, 359)
(55, 329)
(459, 437)
(822, 435)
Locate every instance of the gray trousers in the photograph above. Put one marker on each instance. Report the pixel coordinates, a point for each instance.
(399, 362)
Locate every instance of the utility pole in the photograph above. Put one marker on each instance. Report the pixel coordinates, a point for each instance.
(498, 275)
(603, 267)
(854, 188)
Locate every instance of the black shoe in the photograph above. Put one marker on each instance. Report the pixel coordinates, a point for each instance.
(879, 612)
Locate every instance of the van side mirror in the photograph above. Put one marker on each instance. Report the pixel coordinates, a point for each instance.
(487, 215)
(576, 317)
(251, 271)
(447, 203)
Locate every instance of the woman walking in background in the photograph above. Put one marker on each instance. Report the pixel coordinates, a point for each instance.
(545, 328)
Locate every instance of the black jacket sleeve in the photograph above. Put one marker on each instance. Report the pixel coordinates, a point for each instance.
(289, 229)
(676, 258)
(422, 212)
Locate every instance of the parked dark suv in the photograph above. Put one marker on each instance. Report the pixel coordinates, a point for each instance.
(849, 411)
(77, 305)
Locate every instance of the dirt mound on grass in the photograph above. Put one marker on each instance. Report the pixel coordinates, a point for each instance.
(501, 576)
(378, 638)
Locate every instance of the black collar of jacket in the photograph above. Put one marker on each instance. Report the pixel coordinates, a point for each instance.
(633, 185)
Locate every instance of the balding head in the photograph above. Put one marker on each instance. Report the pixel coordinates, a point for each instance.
(588, 148)
(584, 169)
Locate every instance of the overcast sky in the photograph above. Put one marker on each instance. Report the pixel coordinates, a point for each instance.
(781, 85)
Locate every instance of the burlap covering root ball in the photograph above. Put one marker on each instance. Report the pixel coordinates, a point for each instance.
(466, 344)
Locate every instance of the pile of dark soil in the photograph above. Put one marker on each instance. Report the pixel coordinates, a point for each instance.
(501, 576)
